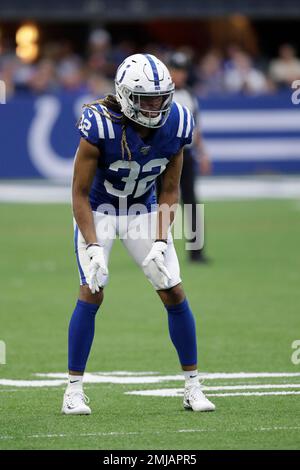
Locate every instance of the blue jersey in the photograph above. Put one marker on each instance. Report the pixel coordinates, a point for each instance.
(123, 180)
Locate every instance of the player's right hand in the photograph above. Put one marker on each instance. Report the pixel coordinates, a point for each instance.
(97, 268)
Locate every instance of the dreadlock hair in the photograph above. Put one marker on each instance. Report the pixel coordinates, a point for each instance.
(115, 115)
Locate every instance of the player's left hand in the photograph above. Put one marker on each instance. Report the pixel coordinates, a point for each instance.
(154, 265)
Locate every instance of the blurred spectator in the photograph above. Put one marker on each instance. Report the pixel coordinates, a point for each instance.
(286, 68)
(43, 77)
(242, 77)
(99, 47)
(9, 64)
(159, 50)
(22, 76)
(99, 40)
(59, 68)
(99, 86)
(210, 74)
(120, 51)
(71, 75)
(231, 52)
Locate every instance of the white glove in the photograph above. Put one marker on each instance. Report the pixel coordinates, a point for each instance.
(97, 267)
(154, 265)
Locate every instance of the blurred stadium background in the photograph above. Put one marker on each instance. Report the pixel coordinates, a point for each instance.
(244, 60)
(243, 57)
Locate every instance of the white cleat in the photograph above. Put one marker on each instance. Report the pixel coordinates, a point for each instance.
(75, 403)
(195, 399)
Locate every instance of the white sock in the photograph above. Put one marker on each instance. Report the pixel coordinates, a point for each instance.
(75, 382)
(191, 376)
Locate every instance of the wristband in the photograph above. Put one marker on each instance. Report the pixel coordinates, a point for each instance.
(92, 244)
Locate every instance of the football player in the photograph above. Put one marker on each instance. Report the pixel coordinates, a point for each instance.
(127, 140)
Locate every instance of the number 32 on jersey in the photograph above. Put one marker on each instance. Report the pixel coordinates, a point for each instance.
(134, 177)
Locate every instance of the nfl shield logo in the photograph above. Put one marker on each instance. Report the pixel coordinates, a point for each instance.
(145, 150)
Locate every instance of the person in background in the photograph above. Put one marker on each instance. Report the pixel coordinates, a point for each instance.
(242, 77)
(210, 74)
(194, 154)
(43, 77)
(286, 68)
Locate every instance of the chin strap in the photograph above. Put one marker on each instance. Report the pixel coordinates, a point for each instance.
(146, 121)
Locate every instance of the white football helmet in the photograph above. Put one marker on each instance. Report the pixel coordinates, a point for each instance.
(144, 89)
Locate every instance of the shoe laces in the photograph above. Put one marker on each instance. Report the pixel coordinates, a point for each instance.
(195, 392)
(77, 397)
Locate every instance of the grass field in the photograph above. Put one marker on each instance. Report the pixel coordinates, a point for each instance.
(246, 305)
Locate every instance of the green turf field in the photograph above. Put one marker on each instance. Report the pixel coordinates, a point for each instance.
(246, 305)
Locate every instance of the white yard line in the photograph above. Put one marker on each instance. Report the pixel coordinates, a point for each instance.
(31, 383)
(176, 392)
(250, 387)
(59, 378)
(251, 394)
(135, 433)
(202, 375)
(274, 428)
(19, 389)
(124, 376)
